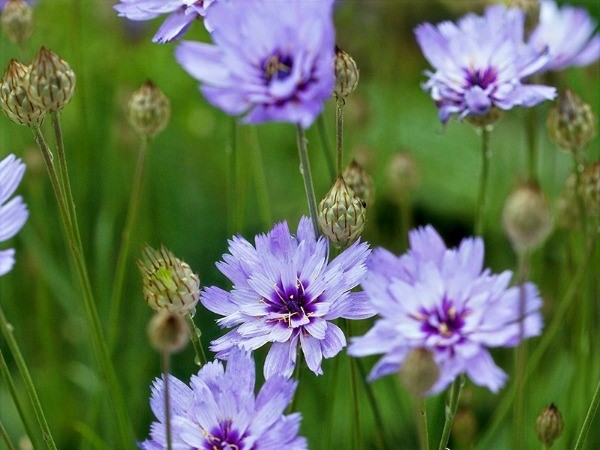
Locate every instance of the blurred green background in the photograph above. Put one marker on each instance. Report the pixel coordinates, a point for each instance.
(185, 206)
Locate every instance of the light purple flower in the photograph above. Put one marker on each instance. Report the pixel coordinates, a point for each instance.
(13, 213)
(272, 59)
(442, 300)
(568, 33)
(285, 292)
(480, 63)
(219, 410)
(181, 14)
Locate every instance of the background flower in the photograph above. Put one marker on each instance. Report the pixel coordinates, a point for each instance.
(285, 292)
(442, 300)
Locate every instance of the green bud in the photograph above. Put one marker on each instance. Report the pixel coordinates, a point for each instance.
(149, 110)
(549, 425)
(360, 182)
(419, 372)
(168, 332)
(51, 81)
(346, 74)
(15, 100)
(17, 21)
(571, 122)
(403, 174)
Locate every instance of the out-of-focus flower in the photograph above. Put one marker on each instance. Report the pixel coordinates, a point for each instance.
(13, 212)
(568, 32)
(17, 21)
(272, 59)
(571, 122)
(219, 410)
(4, 2)
(443, 300)
(480, 63)
(181, 14)
(285, 292)
(149, 110)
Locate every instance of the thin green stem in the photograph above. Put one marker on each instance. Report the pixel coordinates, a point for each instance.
(326, 146)
(167, 399)
(588, 419)
(483, 182)
(421, 412)
(451, 407)
(230, 177)
(379, 423)
(121, 267)
(578, 169)
(260, 177)
(355, 400)
(307, 177)
(521, 354)
(532, 143)
(13, 346)
(195, 335)
(6, 437)
(298, 376)
(339, 136)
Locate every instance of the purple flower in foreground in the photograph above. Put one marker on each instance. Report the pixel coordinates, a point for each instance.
(568, 33)
(442, 300)
(272, 59)
(181, 14)
(480, 63)
(219, 410)
(285, 292)
(13, 213)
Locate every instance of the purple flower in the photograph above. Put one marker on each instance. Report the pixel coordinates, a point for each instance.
(219, 410)
(480, 63)
(568, 33)
(285, 292)
(13, 213)
(442, 300)
(181, 14)
(272, 59)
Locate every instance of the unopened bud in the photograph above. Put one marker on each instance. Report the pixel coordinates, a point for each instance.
(527, 217)
(149, 110)
(569, 213)
(464, 428)
(360, 182)
(341, 214)
(403, 173)
(346, 74)
(51, 81)
(17, 21)
(168, 332)
(419, 371)
(169, 283)
(549, 425)
(571, 122)
(15, 100)
(485, 121)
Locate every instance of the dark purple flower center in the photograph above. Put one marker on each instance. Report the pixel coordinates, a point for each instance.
(481, 78)
(278, 67)
(224, 437)
(291, 303)
(445, 321)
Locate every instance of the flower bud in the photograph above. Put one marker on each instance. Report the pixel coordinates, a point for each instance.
(15, 100)
(571, 122)
(17, 21)
(549, 425)
(589, 190)
(464, 428)
(360, 182)
(485, 121)
(346, 74)
(341, 214)
(403, 173)
(149, 110)
(169, 283)
(419, 371)
(168, 332)
(51, 81)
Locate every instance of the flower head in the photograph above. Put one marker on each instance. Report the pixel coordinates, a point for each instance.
(13, 212)
(285, 292)
(480, 63)
(272, 59)
(219, 410)
(568, 32)
(181, 14)
(442, 300)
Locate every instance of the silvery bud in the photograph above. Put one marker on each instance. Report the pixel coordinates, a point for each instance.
(571, 122)
(360, 182)
(168, 332)
(341, 214)
(17, 21)
(149, 110)
(549, 425)
(419, 372)
(169, 283)
(346, 74)
(51, 81)
(15, 100)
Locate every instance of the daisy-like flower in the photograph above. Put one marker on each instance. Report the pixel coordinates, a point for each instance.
(442, 300)
(13, 212)
(568, 32)
(272, 59)
(219, 410)
(480, 63)
(181, 14)
(285, 292)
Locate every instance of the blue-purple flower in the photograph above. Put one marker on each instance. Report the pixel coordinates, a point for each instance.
(480, 62)
(568, 32)
(181, 14)
(220, 411)
(285, 292)
(444, 301)
(272, 59)
(13, 212)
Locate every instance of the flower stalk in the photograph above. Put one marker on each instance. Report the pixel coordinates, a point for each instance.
(588, 419)
(195, 335)
(483, 182)
(326, 147)
(307, 177)
(451, 408)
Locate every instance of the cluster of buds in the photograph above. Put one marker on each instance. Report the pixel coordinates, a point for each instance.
(346, 74)
(571, 122)
(419, 372)
(27, 93)
(549, 425)
(360, 182)
(148, 110)
(17, 21)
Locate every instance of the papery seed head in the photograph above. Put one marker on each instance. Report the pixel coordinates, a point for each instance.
(149, 110)
(571, 122)
(341, 214)
(549, 425)
(360, 182)
(15, 100)
(168, 283)
(168, 332)
(346, 74)
(403, 174)
(419, 371)
(17, 21)
(51, 82)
